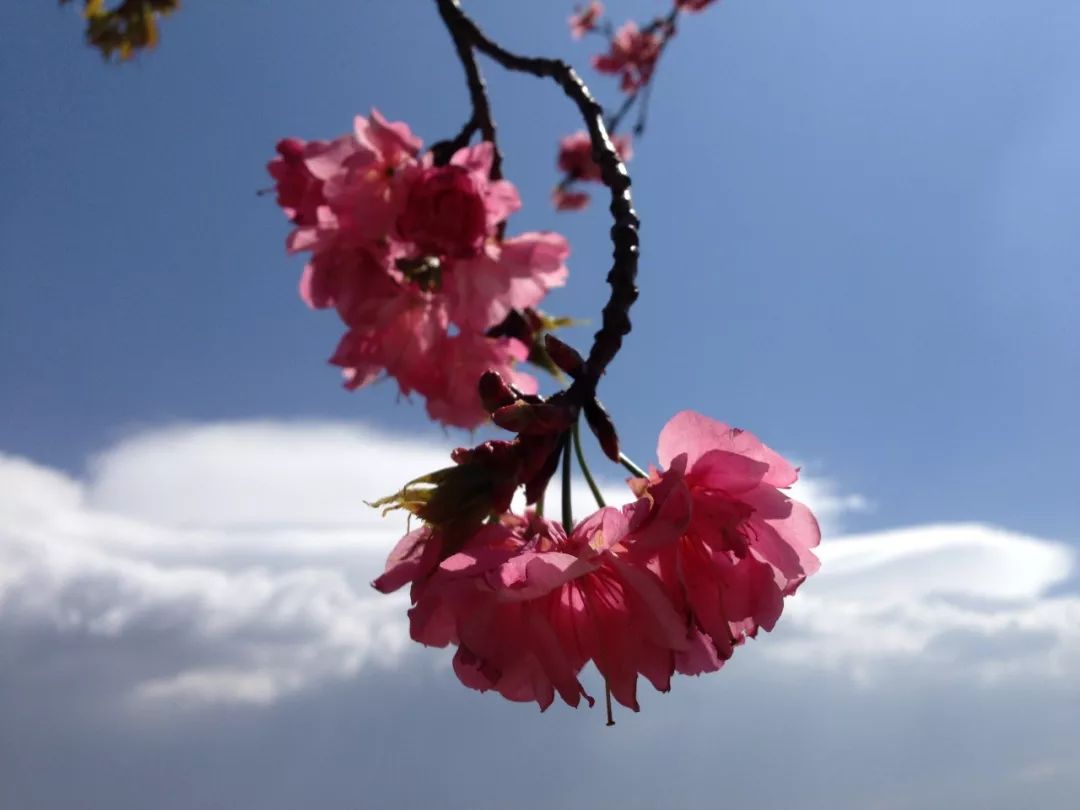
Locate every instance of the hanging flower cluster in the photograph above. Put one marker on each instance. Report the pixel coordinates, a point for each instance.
(411, 256)
(671, 583)
(409, 248)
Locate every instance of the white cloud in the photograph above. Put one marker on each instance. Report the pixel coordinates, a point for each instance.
(958, 601)
(241, 553)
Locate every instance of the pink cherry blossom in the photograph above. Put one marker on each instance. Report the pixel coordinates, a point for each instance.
(565, 200)
(412, 257)
(575, 155)
(528, 607)
(692, 5)
(514, 274)
(352, 186)
(451, 210)
(500, 196)
(402, 340)
(632, 56)
(444, 213)
(299, 192)
(401, 326)
(366, 186)
(412, 560)
(583, 20)
(401, 329)
(392, 142)
(746, 546)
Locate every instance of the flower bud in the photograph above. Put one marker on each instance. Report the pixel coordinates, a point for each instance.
(603, 428)
(564, 356)
(494, 392)
(531, 419)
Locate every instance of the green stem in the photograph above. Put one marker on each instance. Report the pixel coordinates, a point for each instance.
(567, 508)
(599, 502)
(632, 467)
(585, 468)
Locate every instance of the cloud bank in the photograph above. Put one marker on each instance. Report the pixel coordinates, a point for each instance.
(244, 550)
(198, 572)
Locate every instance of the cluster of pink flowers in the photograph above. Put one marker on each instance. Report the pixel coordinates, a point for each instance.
(577, 165)
(411, 255)
(673, 582)
(693, 5)
(584, 19)
(632, 56)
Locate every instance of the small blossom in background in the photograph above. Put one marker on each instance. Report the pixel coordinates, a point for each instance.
(575, 155)
(565, 200)
(632, 56)
(583, 20)
(693, 5)
(576, 162)
(410, 256)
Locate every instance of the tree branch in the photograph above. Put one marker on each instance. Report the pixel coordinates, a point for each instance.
(624, 232)
(481, 117)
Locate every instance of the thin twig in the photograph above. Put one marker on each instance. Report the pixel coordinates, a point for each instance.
(616, 117)
(585, 468)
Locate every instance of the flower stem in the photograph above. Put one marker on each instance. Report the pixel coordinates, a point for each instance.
(599, 502)
(632, 467)
(567, 507)
(585, 468)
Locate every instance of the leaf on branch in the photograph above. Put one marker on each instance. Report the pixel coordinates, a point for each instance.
(125, 29)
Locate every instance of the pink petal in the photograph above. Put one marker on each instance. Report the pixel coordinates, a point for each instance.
(477, 158)
(532, 574)
(600, 531)
(516, 275)
(700, 656)
(672, 628)
(724, 470)
(662, 516)
(694, 434)
(413, 556)
(501, 200)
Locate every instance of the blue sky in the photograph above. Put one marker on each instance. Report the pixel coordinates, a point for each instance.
(859, 241)
(857, 235)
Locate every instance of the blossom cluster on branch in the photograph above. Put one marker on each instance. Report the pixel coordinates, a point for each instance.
(673, 582)
(409, 247)
(633, 54)
(411, 256)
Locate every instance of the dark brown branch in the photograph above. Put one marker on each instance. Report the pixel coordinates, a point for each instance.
(624, 232)
(444, 150)
(481, 117)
